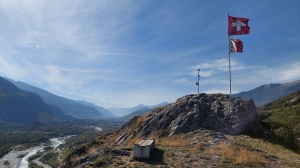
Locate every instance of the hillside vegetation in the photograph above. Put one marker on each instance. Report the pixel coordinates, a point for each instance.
(282, 118)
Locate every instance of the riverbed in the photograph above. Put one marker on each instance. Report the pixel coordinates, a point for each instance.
(15, 162)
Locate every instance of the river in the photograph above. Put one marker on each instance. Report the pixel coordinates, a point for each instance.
(15, 162)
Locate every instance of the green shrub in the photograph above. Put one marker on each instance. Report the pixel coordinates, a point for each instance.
(101, 161)
(6, 162)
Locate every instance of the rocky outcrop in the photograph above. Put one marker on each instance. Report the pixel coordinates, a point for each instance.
(211, 111)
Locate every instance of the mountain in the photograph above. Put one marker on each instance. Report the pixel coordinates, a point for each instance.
(142, 111)
(104, 112)
(21, 106)
(139, 112)
(158, 105)
(267, 93)
(125, 111)
(68, 106)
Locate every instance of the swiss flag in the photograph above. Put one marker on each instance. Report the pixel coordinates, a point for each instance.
(236, 45)
(238, 26)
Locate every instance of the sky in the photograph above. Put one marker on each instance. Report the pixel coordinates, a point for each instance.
(124, 53)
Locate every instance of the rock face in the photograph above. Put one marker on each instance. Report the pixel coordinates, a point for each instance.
(191, 112)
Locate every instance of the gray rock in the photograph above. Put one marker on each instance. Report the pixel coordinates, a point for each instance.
(210, 111)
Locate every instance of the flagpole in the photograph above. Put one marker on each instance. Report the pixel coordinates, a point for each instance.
(229, 64)
(229, 68)
(229, 103)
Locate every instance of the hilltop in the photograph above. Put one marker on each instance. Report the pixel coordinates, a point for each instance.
(196, 130)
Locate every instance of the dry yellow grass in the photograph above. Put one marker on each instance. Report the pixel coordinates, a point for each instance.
(198, 146)
(92, 150)
(131, 142)
(239, 154)
(171, 141)
(212, 150)
(140, 120)
(227, 151)
(248, 157)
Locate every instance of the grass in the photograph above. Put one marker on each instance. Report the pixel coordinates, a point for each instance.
(237, 154)
(234, 151)
(92, 150)
(174, 141)
(198, 146)
(101, 161)
(131, 142)
(51, 159)
(140, 120)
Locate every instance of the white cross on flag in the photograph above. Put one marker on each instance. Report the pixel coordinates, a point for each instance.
(238, 26)
(236, 45)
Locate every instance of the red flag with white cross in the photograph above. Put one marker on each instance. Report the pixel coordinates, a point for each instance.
(238, 26)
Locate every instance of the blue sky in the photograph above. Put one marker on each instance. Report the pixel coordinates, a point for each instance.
(124, 53)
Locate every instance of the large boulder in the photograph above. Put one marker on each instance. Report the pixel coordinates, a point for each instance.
(211, 111)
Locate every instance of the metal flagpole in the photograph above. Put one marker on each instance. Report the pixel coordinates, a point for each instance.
(229, 71)
(229, 62)
(229, 67)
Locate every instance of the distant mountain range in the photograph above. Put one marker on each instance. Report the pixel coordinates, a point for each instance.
(22, 106)
(267, 93)
(139, 112)
(120, 112)
(78, 109)
(106, 113)
(21, 102)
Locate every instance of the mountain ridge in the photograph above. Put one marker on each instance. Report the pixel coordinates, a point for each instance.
(68, 106)
(20, 106)
(266, 93)
(126, 111)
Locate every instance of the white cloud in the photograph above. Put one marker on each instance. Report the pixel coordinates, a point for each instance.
(182, 80)
(220, 65)
(285, 72)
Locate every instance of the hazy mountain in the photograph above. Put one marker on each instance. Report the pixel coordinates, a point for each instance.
(139, 112)
(68, 106)
(21, 106)
(106, 113)
(58, 113)
(125, 111)
(157, 105)
(267, 93)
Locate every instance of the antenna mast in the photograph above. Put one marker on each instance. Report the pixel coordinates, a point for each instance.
(197, 83)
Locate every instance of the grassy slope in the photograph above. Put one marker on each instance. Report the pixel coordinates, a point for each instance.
(282, 118)
(199, 148)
